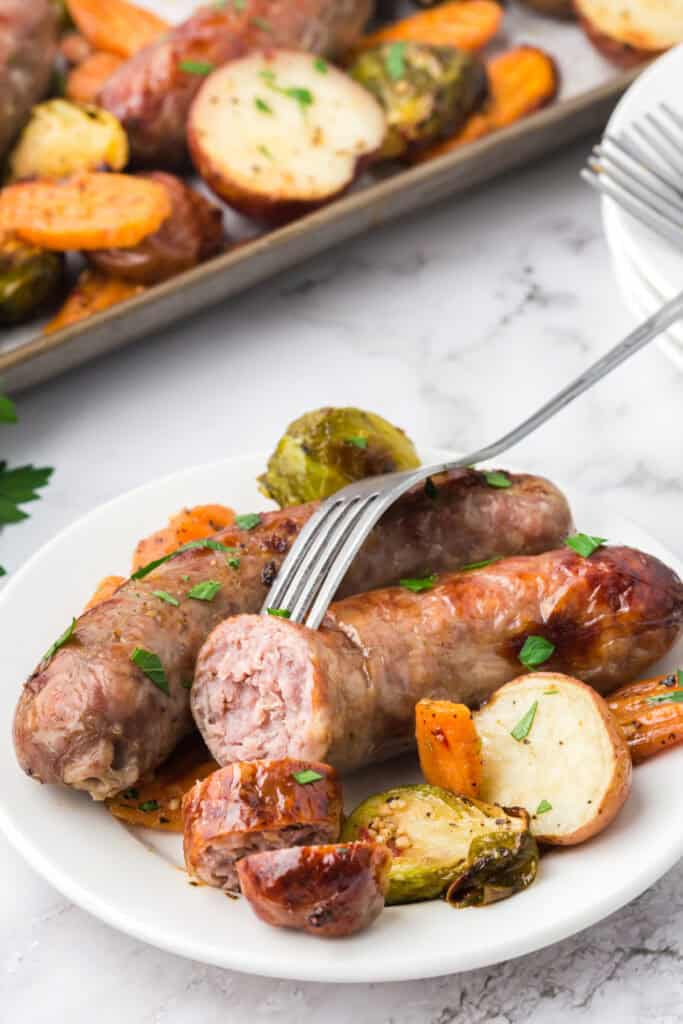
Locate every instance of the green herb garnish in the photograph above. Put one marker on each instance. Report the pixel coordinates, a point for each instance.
(163, 595)
(207, 542)
(266, 152)
(306, 776)
(550, 693)
(396, 61)
(480, 565)
(150, 664)
(234, 562)
(535, 651)
(187, 684)
(320, 65)
(304, 97)
(262, 106)
(357, 442)
(196, 67)
(544, 807)
(3, 571)
(673, 696)
(416, 585)
(497, 479)
(248, 521)
(18, 486)
(205, 591)
(523, 727)
(130, 794)
(8, 412)
(66, 635)
(149, 805)
(280, 613)
(584, 544)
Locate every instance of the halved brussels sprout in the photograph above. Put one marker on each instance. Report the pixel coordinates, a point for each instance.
(62, 137)
(427, 91)
(446, 845)
(327, 449)
(30, 278)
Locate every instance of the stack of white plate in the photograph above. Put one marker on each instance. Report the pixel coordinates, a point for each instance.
(649, 269)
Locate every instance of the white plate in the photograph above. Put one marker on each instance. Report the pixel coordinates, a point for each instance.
(656, 259)
(132, 879)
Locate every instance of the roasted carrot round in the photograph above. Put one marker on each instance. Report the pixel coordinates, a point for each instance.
(448, 746)
(106, 588)
(87, 211)
(650, 714)
(94, 292)
(115, 25)
(189, 524)
(84, 82)
(465, 24)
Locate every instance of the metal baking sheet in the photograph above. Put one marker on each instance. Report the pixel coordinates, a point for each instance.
(590, 86)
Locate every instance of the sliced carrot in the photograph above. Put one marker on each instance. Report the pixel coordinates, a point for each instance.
(520, 81)
(84, 82)
(189, 524)
(94, 292)
(465, 24)
(157, 803)
(448, 746)
(116, 25)
(87, 211)
(106, 588)
(650, 714)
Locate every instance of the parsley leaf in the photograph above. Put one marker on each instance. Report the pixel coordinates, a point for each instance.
(497, 479)
(207, 542)
(544, 807)
(306, 776)
(417, 585)
(149, 805)
(395, 61)
(320, 65)
(535, 651)
(196, 67)
(8, 413)
(205, 591)
(280, 613)
(584, 544)
(248, 521)
(262, 106)
(18, 486)
(150, 664)
(66, 635)
(480, 565)
(523, 727)
(265, 152)
(357, 442)
(163, 595)
(672, 697)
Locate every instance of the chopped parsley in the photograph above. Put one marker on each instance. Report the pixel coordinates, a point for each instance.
(544, 807)
(130, 794)
(673, 696)
(64, 638)
(8, 412)
(523, 727)
(234, 562)
(497, 479)
(150, 664)
(3, 571)
(280, 613)
(262, 106)
(584, 544)
(18, 486)
(304, 97)
(535, 651)
(417, 585)
(196, 67)
(357, 442)
(395, 61)
(248, 521)
(265, 152)
(149, 805)
(550, 693)
(163, 595)
(480, 565)
(306, 776)
(207, 542)
(205, 591)
(320, 65)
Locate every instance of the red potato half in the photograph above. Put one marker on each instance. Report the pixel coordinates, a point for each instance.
(569, 766)
(277, 134)
(629, 31)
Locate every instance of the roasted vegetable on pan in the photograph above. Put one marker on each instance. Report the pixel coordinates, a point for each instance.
(85, 81)
(62, 138)
(448, 746)
(328, 448)
(464, 24)
(629, 32)
(93, 293)
(30, 279)
(649, 714)
(443, 844)
(115, 25)
(427, 91)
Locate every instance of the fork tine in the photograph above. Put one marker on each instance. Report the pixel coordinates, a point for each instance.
(641, 158)
(645, 131)
(649, 178)
(653, 220)
(298, 553)
(639, 187)
(672, 114)
(319, 571)
(672, 135)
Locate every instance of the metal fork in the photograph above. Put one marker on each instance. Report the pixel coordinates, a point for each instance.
(641, 180)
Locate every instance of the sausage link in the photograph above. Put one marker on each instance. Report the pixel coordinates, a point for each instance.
(28, 47)
(346, 694)
(261, 805)
(91, 719)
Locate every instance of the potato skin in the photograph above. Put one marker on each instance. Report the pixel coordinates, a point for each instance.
(192, 233)
(621, 54)
(629, 32)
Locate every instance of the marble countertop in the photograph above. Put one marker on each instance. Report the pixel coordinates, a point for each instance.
(452, 323)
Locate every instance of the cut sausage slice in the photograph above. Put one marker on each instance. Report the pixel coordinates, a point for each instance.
(264, 805)
(328, 891)
(346, 694)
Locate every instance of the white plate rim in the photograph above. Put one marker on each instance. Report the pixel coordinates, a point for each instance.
(316, 967)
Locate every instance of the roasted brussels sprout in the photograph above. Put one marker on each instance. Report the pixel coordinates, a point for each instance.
(30, 278)
(446, 845)
(427, 91)
(329, 448)
(62, 138)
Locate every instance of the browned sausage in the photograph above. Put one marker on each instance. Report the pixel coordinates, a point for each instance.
(192, 233)
(28, 46)
(346, 694)
(91, 719)
(152, 93)
(329, 891)
(263, 805)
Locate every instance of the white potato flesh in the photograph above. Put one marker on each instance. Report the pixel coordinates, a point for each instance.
(643, 24)
(572, 758)
(284, 126)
